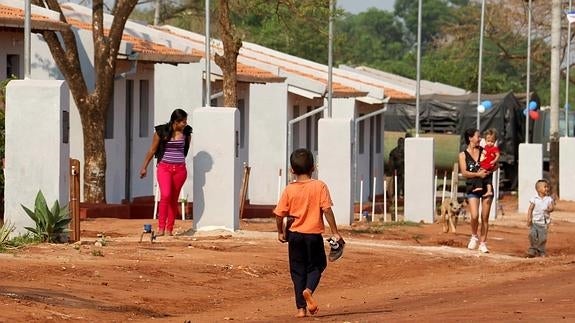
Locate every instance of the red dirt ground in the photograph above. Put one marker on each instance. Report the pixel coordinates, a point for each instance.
(399, 273)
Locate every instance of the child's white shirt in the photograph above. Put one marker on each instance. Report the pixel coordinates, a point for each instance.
(540, 215)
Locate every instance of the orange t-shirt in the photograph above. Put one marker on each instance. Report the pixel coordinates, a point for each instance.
(305, 201)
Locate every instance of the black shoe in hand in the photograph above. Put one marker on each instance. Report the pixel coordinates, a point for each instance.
(336, 249)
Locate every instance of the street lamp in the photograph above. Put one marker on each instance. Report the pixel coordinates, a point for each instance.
(527, 97)
(480, 66)
(208, 56)
(330, 57)
(568, 68)
(27, 37)
(417, 86)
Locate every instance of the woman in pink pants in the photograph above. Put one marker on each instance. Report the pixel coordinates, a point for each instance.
(170, 146)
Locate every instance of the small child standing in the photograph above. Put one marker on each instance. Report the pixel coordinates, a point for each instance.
(538, 218)
(305, 199)
(488, 161)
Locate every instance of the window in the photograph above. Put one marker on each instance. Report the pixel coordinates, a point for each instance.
(12, 66)
(144, 107)
(242, 110)
(109, 126)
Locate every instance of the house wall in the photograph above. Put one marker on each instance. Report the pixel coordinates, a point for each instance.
(267, 141)
(131, 135)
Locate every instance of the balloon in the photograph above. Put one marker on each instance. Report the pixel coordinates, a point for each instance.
(480, 108)
(532, 105)
(534, 115)
(487, 104)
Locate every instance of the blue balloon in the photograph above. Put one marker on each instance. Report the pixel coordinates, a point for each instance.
(487, 104)
(532, 105)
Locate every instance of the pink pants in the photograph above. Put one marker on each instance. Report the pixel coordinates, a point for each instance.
(171, 178)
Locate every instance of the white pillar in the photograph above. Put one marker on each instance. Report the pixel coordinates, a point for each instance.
(529, 171)
(335, 165)
(217, 174)
(419, 173)
(566, 173)
(37, 147)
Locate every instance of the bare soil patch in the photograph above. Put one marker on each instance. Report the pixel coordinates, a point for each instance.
(399, 273)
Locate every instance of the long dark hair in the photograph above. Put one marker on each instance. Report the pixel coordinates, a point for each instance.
(469, 133)
(177, 115)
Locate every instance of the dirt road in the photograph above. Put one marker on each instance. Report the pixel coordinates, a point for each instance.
(404, 273)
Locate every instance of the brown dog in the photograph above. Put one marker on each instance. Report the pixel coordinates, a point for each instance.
(450, 210)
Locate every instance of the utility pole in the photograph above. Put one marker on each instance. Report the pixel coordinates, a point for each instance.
(480, 65)
(418, 68)
(554, 117)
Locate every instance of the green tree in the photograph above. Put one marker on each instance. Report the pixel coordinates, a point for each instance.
(435, 14)
(454, 56)
(374, 38)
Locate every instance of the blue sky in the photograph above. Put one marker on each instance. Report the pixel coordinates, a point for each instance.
(355, 6)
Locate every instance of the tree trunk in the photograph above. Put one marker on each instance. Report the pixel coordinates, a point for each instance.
(228, 63)
(93, 121)
(554, 167)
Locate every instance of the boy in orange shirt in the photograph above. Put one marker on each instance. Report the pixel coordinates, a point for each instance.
(305, 199)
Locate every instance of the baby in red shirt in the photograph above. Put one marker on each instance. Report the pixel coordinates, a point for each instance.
(488, 161)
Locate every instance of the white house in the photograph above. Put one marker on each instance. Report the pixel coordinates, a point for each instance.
(130, 117)
(180, 86)
(157, 72)
(161, 69)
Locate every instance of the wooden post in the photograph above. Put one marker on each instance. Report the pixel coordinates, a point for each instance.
(455, 181)
(74, 205)
(244, 191)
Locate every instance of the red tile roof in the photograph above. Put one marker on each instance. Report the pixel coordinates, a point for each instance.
(147, 50)
(342, 90)
(245, 72)
(14, 18)
(339, 89)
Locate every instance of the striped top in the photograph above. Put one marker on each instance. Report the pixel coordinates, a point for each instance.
(174, 153)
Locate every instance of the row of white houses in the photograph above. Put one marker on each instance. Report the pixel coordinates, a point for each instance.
(163, 68)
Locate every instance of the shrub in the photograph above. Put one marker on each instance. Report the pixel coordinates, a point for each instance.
(51, 224)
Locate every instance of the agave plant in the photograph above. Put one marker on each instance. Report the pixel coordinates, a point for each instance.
(5, 231)
(51, 224)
